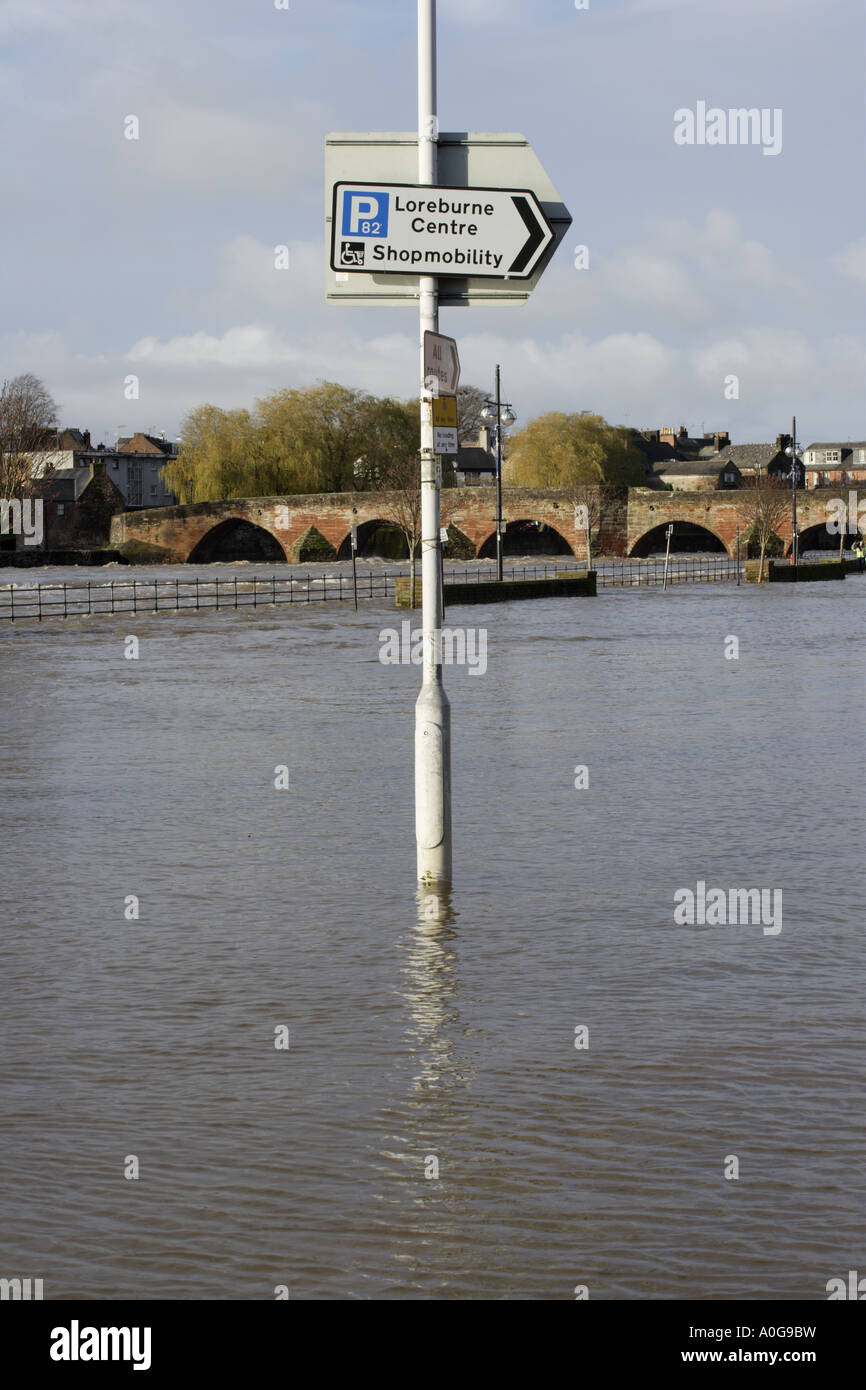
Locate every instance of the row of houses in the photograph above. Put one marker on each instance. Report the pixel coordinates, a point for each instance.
(81, 486)
(699, 463)
(67, 458)
(673, 459)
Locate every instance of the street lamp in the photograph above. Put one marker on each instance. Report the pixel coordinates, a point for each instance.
(499, 411)
(795, 455)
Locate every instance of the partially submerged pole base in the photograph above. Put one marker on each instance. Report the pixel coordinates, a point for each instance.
(433, 785)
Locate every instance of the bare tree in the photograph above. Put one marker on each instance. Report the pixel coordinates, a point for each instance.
(400, 478)
(770, 507)
(470, 403)
(27, 410)
(588, 501)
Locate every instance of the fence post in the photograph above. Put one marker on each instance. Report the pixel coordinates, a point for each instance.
(39, 590)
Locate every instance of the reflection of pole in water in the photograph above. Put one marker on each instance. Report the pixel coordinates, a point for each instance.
(430, 990)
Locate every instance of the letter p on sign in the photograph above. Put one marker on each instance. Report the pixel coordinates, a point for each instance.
(365, 213)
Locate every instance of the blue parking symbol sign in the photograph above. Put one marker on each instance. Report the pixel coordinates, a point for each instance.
(365, 213)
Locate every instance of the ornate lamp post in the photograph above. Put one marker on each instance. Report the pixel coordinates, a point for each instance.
(795, 455)
(501, 412)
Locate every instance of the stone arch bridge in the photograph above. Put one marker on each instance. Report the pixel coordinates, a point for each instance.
(284, 526)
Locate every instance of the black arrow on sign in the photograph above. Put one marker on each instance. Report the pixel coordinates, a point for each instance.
(536, 235)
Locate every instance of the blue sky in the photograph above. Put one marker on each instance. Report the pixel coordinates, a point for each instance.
(155, 257)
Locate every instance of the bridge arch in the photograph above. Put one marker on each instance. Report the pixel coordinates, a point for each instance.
(381, 537)
(817, 537)
(235, 538)
(526, 536)
(688, 536)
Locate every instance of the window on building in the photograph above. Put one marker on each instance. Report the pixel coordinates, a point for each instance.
(831, 455)
(61, 508)
(116, 463)
(153, 489)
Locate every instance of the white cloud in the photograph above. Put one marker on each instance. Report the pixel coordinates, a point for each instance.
(475, 13)
(199, 147)
(851, 261)
(47, 17)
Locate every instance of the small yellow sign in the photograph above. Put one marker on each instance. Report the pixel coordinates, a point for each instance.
(445, 411)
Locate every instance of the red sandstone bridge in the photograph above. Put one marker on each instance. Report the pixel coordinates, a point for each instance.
(298, 527)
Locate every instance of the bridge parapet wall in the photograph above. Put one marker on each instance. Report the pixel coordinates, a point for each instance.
(626, 516)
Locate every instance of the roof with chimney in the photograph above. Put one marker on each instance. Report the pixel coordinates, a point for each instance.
(62, 440)
(844, 445)
(753, 458)
(64, 485)
(141, 443)
(699, 466)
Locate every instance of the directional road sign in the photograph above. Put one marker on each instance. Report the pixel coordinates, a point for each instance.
(441, 364)
(481, 160)
(404, 229)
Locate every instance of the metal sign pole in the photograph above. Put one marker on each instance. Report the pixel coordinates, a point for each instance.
(794, 492)
(432, 712)
(498, 478)
(354, 569)
(667, 556)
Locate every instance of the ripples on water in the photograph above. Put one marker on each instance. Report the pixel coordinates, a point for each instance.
(409, 1038)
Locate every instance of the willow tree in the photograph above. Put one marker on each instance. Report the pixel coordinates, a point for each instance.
(324, 438)
(217, 457)
(559, 450)
(313, 438)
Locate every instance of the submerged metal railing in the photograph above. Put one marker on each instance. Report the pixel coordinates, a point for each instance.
(66, 599)
(76, 600)
(709, 569)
